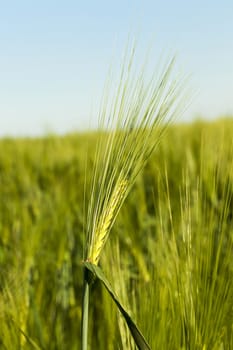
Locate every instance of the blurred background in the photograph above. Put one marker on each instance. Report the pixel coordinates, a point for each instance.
(55, 57)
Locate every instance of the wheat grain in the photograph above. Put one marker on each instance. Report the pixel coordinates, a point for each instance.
(106, 220)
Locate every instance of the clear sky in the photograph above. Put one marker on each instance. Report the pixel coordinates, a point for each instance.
(54, 56)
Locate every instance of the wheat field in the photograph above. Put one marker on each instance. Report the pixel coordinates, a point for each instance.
(169, 256)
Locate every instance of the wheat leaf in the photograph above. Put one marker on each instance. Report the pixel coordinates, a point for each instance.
(135, 332)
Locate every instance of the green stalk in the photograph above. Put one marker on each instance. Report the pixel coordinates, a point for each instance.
(85, 307)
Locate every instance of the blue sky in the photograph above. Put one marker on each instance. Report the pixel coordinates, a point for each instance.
(54, 56)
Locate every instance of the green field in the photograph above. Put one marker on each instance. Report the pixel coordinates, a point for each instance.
(169, 256)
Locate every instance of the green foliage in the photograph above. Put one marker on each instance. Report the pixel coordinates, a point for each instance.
(171, 265)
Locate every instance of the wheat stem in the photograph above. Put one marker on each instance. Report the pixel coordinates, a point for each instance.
(85, 307)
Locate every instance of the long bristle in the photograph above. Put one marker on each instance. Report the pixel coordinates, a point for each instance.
(133, 119)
